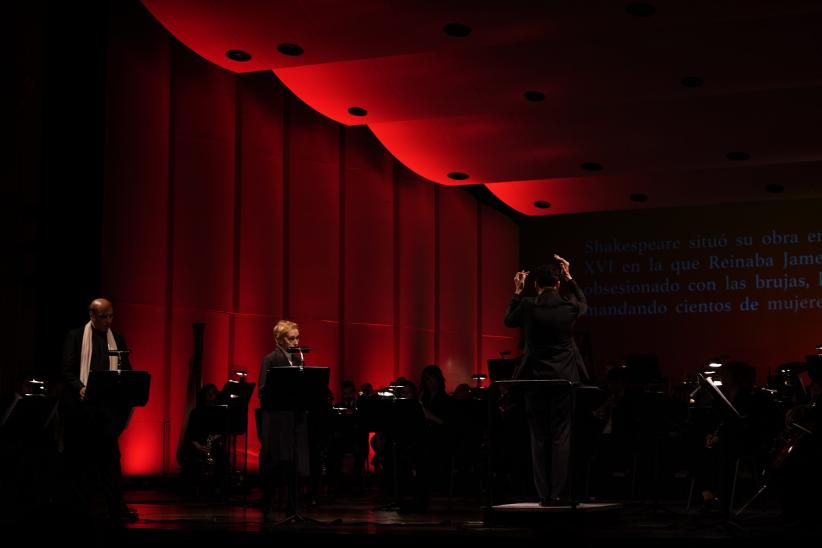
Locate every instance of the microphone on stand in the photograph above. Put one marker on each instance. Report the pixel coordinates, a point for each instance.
(120, 354)
(299, 350)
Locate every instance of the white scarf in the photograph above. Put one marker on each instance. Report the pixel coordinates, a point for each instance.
(85, 353)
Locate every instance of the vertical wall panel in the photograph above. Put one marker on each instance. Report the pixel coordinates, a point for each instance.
(260, 239)
(215, 363)
(137, 150)
(457, 275)
(499, 256)
(323, 338)
(203, 171)
(134, 221)
(368, 259)
(144, 328)
(252, 340)
(313, 245)
(416, 276)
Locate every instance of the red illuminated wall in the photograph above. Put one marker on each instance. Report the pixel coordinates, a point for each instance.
(231, 203)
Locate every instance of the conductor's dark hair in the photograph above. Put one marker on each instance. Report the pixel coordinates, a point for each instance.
(547, 275)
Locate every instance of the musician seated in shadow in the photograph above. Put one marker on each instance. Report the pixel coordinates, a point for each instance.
(418, 439)
(462, 393)
(795, 464)
(366, 390)
(787, 386)
(398, 446)
(728, 436)
(613, 432)
(510, 443)
(29, 456)
(469, 427)
(202, 454)
(437, 443)
(814, 389)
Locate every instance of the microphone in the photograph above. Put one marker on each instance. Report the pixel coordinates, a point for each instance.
(299, 350)
(118, 353)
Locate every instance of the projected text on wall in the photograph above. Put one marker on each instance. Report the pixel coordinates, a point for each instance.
(773, 271)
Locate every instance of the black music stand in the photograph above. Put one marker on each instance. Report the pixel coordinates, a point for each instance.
(298, 390)
(375, 416)
(27, 415)
(502, 369)
(401, 419)
(236, 397)
(215, 419)
(127, 388)
(642, 368)
(813, 365)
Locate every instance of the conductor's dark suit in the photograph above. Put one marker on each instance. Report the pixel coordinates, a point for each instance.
(550, 353)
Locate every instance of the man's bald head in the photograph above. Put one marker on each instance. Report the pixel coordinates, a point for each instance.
(101, 313)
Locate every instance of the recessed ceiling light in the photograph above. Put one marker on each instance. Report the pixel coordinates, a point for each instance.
(238, 55)
(458, 175)
(640, 9)
(357, 111)
(738, 156)
(534, 96)
(457, 30)
(292, 50)
(542, 204)
(592, 166)
(638, 197)
(692, 82)
(774, 188)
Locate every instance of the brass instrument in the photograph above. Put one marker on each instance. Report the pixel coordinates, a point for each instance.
(209, 464)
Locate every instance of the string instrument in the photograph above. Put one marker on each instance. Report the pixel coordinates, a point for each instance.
(802, 424)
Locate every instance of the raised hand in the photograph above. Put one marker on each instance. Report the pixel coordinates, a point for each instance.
(519, 281)
(565, 266)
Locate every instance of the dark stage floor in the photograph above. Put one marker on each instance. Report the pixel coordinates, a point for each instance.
(172, 520)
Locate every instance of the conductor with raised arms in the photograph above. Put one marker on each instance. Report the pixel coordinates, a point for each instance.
(550, 353)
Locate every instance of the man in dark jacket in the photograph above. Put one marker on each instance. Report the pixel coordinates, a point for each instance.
(550, 353)
(93, 429)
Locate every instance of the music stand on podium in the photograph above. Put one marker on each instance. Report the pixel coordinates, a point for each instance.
(298, 390)
(402, 421)
(499, 513)
(127, 388)
(502, 369)
(236, 396)
(28, 415)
